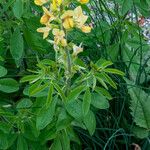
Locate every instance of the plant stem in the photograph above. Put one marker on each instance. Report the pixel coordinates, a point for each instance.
(68, 75)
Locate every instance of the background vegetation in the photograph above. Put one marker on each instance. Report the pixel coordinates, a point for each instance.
(116, 36)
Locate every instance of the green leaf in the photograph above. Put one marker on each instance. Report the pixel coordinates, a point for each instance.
(16, 45)
(65, 141)
(90, 122)
(5, 127)
(30, 78)
(99, 101)
(18, 8)
(140, 132)
(45, 115)
(75, 93)
(74, 108)
(105, 78)
(56, 144)
(3, 141)
(114, 71)
(62, 95)
(21, 143)
(8, 85)
(50, 93)
(86, 102)
(105, 64)
(127, 5)
(64, 120)
(108, 80)
(102, 63)
(140, 104)
(38, 89)
(113, 51)
(103, 92)
(101, 81)
(24, 103)
(3, 71)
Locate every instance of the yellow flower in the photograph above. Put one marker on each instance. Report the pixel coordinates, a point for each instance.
(67, 18)
(79, 17)
(55, 4)
(47, 17)
(86, 29)
(59, 37)
(40, 2)
(83, 1)
(77, 50)
(45, 31)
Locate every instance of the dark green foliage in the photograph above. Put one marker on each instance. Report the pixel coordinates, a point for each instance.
(114, 111)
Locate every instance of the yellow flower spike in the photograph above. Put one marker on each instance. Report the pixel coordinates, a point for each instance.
(67, 18)
(79, 17)
(83, 1)
(40, 2)
(47, 17)
(45, 31)
(77, 49)
(86, 29)
(59, 37)
(55, 4)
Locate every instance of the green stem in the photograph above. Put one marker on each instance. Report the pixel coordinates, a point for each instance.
(68, 75)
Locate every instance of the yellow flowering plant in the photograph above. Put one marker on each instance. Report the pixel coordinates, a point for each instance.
(70, 88)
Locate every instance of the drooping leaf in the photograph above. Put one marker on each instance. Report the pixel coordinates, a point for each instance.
(90, 122)
(22, 143)
(18, 8)
(75, 93)
(56, 144)
(65, 140)
(114, 71)
(86, 102)
(16, 45)
(50, 94)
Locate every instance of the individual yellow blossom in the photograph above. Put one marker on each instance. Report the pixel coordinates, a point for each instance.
(40, 2)
(47, 17)
(83, 1)
(77, 50)
(55, 4)
(86, 29)
(59, 37)
(67, 18)
(79, 17)
(45, 31)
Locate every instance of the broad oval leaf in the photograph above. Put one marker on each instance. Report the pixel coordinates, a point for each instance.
(99, 101)
(18, 8)
(8, 85)
(24, 103)
(3, 71)
(74, 108)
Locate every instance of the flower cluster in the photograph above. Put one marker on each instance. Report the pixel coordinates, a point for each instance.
(59, 19)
